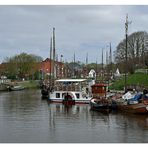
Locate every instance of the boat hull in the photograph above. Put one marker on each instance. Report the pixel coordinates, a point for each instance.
(45, 93)
(102, 107)
(139, 108)
(75, 101)
(68, 96)
(16, 88)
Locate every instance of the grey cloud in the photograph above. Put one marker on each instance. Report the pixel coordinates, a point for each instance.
(79, 29)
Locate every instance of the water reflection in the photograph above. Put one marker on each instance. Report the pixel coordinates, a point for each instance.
(25, 117)
(95, 126)
(130, 128)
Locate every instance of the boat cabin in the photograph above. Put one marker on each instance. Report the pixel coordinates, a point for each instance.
(70, 84)
(99, 90)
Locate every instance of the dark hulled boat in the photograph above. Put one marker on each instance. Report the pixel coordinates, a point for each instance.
(99, 101)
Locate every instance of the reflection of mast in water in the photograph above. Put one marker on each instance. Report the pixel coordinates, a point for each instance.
(51, 118)
(102, 117)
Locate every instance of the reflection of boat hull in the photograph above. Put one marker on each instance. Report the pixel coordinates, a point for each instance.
(68, 102)
(139, 108)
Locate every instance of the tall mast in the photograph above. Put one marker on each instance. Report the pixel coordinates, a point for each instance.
(50, 59)
(106, 58)
(96, 69)
(110, 58)
(126, 38)
(86, 59)
(102, 65)
(74, 64)
(107, 67)
(53, 66)
(86, 65)
(74, 58)
(102, 60)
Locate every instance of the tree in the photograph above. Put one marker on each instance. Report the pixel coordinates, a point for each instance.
(137, 46)
(22, 65)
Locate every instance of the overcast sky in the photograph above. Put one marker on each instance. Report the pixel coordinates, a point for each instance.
(80, 29)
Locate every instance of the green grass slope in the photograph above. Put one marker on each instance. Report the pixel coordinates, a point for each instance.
(134, 79)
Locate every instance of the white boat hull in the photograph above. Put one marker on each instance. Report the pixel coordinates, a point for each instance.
(74, 97)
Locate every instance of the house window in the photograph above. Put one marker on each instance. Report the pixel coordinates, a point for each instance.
(77, 95)
(57, 95)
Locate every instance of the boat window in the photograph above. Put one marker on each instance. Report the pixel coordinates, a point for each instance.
(63, 94)
(57, 95)
(78, 95)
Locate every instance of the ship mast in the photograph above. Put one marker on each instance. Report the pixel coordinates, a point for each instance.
(50, 60)
(74, 60)
(110, 59)
(53, 63)
(86, 59)
(102, 66)
(126, 40)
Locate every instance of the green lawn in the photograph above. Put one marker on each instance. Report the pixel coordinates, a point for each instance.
(134, 79)
(29, 84)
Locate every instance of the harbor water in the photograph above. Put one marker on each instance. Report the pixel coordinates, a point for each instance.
(26, 118)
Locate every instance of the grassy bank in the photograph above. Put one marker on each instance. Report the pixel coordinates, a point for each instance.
(29, 84)
(134, 79)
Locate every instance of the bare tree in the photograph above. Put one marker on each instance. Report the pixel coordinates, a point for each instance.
(137, 46)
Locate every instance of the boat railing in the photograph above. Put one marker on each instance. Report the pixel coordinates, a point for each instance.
(67, 88)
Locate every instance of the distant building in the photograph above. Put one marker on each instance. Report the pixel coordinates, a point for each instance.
(61, 70)
(117, 73)
(3, 68)
(92, 74)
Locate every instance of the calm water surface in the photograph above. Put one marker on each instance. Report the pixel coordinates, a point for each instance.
(26, 118)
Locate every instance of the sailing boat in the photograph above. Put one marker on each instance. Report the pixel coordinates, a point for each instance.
(47, 85)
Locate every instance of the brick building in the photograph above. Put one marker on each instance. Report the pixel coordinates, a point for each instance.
(61, 70)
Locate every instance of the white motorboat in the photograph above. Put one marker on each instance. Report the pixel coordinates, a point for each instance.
(16, 88)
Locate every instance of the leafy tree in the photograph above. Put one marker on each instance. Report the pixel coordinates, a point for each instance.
(22, 65)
